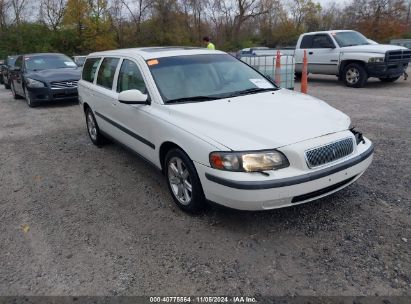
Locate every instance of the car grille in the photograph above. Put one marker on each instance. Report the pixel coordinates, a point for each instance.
(398, 56)
(67, 84)
(326, 154)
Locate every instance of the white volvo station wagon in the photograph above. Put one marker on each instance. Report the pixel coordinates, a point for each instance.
(218, 129)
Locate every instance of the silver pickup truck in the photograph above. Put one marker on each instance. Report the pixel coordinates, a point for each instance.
(350, 56)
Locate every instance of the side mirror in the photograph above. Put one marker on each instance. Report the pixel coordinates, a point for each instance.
(133, 97)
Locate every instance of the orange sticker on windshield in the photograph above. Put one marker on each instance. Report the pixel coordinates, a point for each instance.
(152, 62)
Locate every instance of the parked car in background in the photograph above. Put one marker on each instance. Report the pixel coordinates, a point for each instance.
(8, 65)
(218, 129)
(79, 60)
(45, 77)
(402, 42)
(350, 56)
(2, 66)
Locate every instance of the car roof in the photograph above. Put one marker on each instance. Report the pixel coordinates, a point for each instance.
(157, 52)
(41, 54)
(328, 32)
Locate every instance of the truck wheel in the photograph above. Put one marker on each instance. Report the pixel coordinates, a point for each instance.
(392, 79)
(355, 76)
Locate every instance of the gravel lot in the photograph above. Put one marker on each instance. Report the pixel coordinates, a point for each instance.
(79, 220)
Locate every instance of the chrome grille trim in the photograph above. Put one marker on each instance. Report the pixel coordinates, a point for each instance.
(67, 84)
(398, 56)
(329, 153)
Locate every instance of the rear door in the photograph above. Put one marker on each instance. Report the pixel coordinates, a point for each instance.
(104, 97)
(87, 82)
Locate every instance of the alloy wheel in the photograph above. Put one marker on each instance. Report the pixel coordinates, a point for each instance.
(352, 76)
(180, 181)
(91, 126)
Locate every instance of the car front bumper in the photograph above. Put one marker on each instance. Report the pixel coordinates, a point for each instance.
(285, 187)
(386, 70)
(46, 94)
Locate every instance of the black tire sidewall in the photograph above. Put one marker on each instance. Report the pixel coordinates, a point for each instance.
(29, 101)
(363, 75)
(99, 138)
(198, 202)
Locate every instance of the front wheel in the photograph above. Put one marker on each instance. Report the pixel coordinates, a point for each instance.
(13, 91)
(390, 79)
(183, 182)
(29, 100)
(355, 75)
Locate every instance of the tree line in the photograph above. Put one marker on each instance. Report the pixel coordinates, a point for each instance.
(83, 26)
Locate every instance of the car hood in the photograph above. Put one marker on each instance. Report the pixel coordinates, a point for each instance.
(55, 75)
(372, 48)
(260, 121)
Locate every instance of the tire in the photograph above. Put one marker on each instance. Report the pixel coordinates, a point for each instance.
(183, 182)
(92, 128)
(7, 86)
(392, 79)
(29, 101)
(354, 75)
(13, 91)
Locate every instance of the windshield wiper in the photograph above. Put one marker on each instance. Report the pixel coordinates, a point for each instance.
(251, 91)
(193, 98)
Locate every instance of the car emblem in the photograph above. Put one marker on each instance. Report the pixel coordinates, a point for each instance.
(69, 84)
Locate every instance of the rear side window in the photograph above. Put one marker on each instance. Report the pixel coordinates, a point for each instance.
(307, 42)
(106, 72)
(90, 68)
(130, 77)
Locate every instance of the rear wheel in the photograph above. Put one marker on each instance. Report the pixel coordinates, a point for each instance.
(92, 128)
(183, 182)
(355, 75)
(390, 79)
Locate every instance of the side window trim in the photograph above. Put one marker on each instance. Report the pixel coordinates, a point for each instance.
(97, 69)
(116, 74)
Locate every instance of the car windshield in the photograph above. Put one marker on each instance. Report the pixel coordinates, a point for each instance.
(350, 39)
(47, 62)
(205, 77)
(80, 60)
(11, 60)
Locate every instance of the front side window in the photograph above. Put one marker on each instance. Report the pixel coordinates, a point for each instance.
(307, 42)
(350, 39)
(205, 77)
(130, 78)
(90, 68)
(47, 62)
(106, 72)
(321, 42)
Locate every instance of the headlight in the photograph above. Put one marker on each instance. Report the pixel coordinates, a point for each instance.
(376, 59)
(31, 83)
(248, 161)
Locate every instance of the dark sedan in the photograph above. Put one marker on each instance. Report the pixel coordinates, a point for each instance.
(5, 71)
(45, 77)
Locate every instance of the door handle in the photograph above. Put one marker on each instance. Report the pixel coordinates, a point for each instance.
(310, 53)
